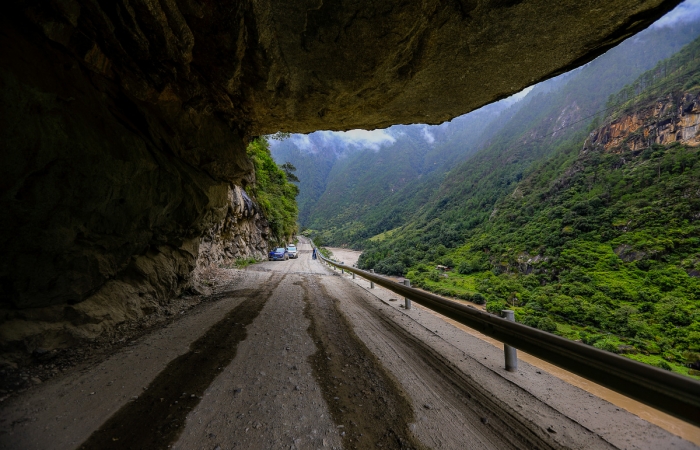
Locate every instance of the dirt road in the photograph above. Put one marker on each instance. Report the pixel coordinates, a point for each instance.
(291, 355)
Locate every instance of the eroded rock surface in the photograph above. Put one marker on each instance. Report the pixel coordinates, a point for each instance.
(675, 118)
(124, 124)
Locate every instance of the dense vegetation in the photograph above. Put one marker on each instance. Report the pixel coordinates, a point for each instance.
(351, 195)
(593, 245)
(598, 246)
(275, 195)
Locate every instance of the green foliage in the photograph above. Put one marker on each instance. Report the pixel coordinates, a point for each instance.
(589, 245)
(275, 195)
(547, 324)
(597, 246)
(239, 263)
(289, 170)
(245, 262)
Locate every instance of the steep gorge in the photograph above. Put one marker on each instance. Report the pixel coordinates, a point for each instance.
(124, 124)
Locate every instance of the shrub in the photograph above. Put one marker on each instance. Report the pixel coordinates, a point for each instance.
(496, 306)
(530, 321)
(478, 299)
(661, 364)
(465, 268)
(607, 344)
(547, 324)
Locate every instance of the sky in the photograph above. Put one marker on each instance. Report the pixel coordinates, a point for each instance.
(687, 11)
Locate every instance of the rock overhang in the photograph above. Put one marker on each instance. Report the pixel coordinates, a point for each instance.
(303, 65)
(368, 66)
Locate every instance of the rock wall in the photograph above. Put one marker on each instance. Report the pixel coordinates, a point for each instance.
(675, 118)
(105, 213)
(242, 233)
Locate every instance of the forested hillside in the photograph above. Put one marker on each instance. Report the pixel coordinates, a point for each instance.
(599, 241)
(273, 192)
(351, 194)
(343, 187)
(595, 242)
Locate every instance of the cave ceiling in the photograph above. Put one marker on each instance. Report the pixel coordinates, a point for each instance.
(304, 65)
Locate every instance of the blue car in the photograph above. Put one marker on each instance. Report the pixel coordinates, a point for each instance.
(278, 254)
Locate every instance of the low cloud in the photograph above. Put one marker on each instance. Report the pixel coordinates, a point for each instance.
(688, 11)
(303, 142)
(427, 135)
(342, 141)
(372, 139)
(519, 96)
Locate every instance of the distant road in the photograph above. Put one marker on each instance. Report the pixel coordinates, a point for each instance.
(289, 354)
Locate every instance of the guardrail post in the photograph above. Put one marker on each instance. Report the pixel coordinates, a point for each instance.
(406, 300)
(510, 353)
(371, 283)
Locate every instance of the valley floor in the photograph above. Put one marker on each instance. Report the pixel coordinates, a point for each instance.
(292, 355)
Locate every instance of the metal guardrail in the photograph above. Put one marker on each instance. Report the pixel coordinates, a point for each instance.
(669, 392)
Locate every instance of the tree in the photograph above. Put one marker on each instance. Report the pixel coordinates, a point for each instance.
(289, 170)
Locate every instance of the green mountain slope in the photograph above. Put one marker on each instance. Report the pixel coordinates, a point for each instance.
(555, 119)
(599, 240)
(342, 189)
(349, 196)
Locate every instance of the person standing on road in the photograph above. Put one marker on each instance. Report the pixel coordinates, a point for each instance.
(313, 255)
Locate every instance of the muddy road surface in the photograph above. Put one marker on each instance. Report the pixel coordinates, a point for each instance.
(291, 355)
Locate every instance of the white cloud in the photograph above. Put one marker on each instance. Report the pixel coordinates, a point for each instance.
(687, 11)
(427, 135)
(303, 142)
(520, 95)
(373, 139)
(516, 97)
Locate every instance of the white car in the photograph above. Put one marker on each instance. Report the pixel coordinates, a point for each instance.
(292, 250)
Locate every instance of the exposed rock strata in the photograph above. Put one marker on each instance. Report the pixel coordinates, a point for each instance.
(124, 124)
(675, 118)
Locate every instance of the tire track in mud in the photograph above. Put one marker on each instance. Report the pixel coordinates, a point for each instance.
(369, 408)
(155, 419)
(465, 394)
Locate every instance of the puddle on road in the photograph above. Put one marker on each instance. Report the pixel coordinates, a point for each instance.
(155, 419)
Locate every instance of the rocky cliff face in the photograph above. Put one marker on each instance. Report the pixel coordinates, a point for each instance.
(124, 124)
(675, 118)
(107, 207)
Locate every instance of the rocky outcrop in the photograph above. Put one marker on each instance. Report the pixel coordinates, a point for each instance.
(124, 124)
(675, 118)
(243, 233)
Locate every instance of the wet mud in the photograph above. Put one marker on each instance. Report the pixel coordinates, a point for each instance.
(155, 419)
(369, 408)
